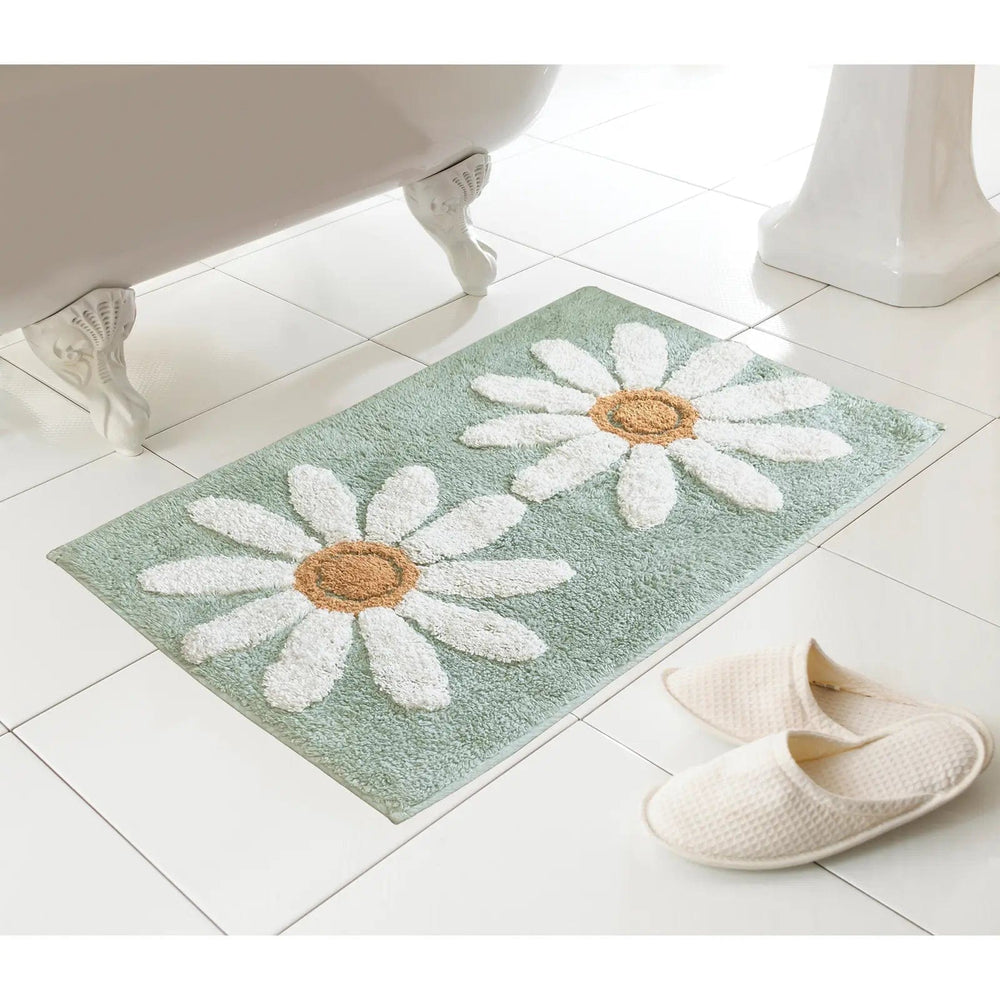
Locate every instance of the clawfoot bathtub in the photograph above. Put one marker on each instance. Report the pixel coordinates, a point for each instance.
(111, 175)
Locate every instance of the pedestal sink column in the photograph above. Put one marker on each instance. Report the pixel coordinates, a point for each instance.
(891, 207)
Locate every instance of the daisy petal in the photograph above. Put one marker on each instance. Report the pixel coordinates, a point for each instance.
(403, 663)
(647, 491)
(320, 498)
(251, 524)
(311, 662)
(778, 442)
(471, 525)
(575, 366)
(533, 394)
(640, 354)
(480, 633)
(731, 477)
(708, 369)
(763, 399)
(407, 498)
(526, 430)
(249, 625)
(569, 465)
(494, 578)
(217, 575)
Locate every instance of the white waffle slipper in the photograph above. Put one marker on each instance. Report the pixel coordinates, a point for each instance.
(795, 797)
(742, 698)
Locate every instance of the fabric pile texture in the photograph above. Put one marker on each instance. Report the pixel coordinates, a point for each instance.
(413, 588)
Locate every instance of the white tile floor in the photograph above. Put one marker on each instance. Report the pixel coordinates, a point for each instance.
(133, 800)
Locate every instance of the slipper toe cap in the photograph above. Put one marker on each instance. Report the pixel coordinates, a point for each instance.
(726, 812)
(740, 697)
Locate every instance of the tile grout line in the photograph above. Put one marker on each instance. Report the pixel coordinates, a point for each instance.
(717, 188)
(905, 482)
(376, 337)
(617, 229)
(139, 295)
(749, 201)
(196, 476)
(241, 395)
(817, 864)
(296, 371)
(895, 489)
(778, 312)
(35, 378)
(459, 298)
(219, 267)
(909, 586)
(191, 476)
(434, 822)
(192, 416)
(630, 166)
(285, 239)
(586, 128)
(378, 333)
(371, 336)
(760, 166)
(626, 747)
(744, 325)
(111, 825)
(510, 767)
(295, 305)
(248, 284)
(175, 281)
(836, 357)
(402, 354)
(58, 475)
(87, 687)
(92, 461)
(12, 732)
(874, 899)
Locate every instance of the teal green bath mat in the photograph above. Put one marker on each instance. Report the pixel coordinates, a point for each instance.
(408, 591)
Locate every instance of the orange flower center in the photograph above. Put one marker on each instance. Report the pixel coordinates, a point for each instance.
(352, 576)
(645, 416)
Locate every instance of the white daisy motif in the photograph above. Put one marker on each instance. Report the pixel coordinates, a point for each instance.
(382, 578)
(651, 421)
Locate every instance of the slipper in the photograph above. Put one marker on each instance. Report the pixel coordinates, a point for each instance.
(742, 698)
(795, 797)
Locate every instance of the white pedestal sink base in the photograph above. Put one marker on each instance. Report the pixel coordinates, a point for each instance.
(891, 207)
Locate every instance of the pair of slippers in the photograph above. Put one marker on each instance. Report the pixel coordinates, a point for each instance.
(831, 760)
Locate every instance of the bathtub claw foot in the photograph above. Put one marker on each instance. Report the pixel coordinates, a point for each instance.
(84, 345)
(440, 204)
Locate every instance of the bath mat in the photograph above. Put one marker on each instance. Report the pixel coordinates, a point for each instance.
(409, 590)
